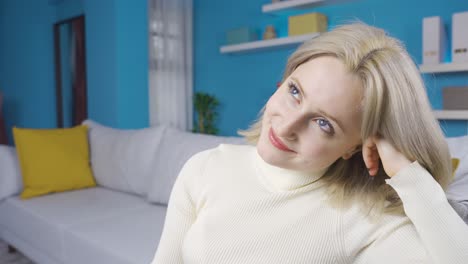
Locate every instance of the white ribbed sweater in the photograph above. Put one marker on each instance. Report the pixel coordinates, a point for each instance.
(229, 206)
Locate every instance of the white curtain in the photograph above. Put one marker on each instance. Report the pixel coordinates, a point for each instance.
(170, 63)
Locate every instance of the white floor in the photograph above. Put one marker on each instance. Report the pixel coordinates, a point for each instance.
(11, 258)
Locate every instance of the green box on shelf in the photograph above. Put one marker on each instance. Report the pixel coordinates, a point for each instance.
(240, 35)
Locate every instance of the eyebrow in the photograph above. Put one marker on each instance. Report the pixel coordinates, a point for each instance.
(319, 110)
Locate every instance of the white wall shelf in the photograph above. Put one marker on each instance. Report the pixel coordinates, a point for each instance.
(441, 68)
(451, 114)
(444, 67)
(275, 8)
(267, 44)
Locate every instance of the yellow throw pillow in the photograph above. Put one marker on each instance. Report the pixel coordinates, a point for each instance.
(53, 160)
(455, 163)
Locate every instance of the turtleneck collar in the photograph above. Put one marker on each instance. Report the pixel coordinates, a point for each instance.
(281, 179)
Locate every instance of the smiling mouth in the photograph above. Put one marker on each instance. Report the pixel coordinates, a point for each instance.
(275, 141)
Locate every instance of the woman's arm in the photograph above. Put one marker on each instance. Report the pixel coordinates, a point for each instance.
(431, 231)
(441, 230)
(181, 211)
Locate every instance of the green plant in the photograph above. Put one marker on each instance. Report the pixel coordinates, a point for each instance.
(206, 107)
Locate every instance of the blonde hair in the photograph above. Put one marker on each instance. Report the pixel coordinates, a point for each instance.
(394, 106)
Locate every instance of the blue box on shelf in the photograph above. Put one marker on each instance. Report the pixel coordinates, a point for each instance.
(240, 35)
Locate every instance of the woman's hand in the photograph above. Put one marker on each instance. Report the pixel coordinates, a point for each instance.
(375, 149)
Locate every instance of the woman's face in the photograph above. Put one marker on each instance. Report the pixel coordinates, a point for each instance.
(314, 118)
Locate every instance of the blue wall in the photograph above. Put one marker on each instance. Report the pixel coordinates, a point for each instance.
(117, 54)
(101, 61)
(26, 63)
(132, 63)
(244, 82)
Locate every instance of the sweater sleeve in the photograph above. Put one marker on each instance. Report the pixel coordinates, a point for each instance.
(440, 231)
(181, 212)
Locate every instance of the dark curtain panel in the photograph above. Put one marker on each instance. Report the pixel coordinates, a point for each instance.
(3, 135)
(58, 76)
(79, 80)
(70, 71)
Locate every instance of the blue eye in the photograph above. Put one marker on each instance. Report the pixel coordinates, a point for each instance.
(293, 90)
(325, 126)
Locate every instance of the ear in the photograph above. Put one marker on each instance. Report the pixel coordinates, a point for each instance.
(351, 152)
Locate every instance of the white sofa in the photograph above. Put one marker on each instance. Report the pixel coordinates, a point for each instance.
(119, 221)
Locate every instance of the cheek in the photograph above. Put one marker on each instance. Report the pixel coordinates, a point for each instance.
(277, 103)
(322, 155)
(316, 151)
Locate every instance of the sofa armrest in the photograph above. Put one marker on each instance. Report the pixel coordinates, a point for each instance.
(11, 182)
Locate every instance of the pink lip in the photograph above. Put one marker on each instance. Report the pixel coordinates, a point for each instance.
(275, 141)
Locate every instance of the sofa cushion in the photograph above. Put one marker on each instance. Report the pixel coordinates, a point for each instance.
(53, 160)
(128, 239)
(123, 159)
(42, 221)
(175, 149)
(10, 175)
(457, 190)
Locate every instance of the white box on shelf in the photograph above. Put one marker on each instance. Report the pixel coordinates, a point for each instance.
(460, 37)
(433, 40)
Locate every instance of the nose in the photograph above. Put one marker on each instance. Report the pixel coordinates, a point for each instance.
(290, 125)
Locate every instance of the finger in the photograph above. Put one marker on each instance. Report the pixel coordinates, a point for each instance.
(370, 156)
(367, 152)
(373, 165)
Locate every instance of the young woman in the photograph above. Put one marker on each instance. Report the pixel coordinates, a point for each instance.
(348, 165)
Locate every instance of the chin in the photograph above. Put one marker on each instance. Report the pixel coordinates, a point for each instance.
(264, 150)
(265, 153)
(271, 155)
